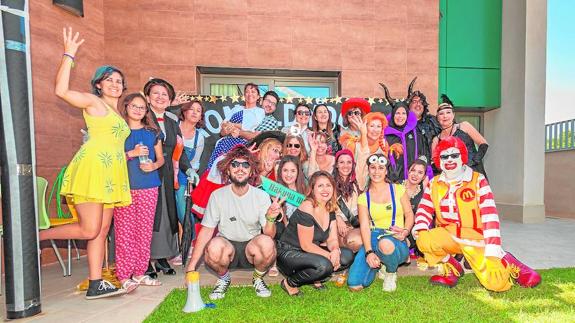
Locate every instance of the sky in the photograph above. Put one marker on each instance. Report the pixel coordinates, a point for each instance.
(560, 103)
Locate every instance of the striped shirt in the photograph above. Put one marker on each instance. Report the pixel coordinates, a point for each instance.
(448, 207)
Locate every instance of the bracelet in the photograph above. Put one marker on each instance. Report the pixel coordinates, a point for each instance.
(70, 57)
(128, 157)
(368, 252)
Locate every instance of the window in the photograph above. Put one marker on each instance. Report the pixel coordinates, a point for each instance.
(474, 118)
(228, 82)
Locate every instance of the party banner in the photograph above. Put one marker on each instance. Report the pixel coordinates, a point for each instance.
(274, 189)
(219, 108)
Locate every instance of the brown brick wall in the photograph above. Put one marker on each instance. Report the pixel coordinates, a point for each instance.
(57, 124)
(368, 41)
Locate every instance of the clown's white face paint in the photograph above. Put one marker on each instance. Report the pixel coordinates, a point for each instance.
(452, 166)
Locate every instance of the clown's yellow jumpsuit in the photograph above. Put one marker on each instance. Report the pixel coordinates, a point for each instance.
(466, 222)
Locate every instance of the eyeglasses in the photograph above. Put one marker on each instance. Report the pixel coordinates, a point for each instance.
(138, 107)
(303, 113)
(236, 164)
(293, 146)
(377, 159)
(453, 156)
(355, 113)
(273, 104)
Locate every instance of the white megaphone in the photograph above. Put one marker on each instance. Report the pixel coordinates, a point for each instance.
(194, 302)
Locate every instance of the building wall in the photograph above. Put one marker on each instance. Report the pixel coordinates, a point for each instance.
(58, 125)
(560, 184)
(368, 41)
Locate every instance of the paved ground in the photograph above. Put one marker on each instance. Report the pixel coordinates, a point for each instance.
(544, 245)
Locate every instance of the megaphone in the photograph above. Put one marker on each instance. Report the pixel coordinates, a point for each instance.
(194, 302)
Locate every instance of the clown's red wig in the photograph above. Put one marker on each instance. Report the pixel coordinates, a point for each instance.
(446, 143)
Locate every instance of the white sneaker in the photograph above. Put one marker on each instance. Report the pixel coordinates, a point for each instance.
(390, 282)
(220, 289)
(381, 272)
(261, 288)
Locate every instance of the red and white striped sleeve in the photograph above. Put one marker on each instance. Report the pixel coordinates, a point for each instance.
(425, 211)
(489, 219)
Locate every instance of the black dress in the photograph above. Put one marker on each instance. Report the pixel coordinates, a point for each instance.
(303, 268)
(165, 233)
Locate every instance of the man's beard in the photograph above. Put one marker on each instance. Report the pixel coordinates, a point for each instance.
(239, 183)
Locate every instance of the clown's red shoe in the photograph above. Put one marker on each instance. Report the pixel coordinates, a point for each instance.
(523, 274)
(452, 270)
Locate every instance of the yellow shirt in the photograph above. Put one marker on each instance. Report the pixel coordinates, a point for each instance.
(381, 213)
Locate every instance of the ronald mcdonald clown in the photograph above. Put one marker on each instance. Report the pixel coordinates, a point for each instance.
(466, 222)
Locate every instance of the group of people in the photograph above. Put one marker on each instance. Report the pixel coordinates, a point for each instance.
(374, 191)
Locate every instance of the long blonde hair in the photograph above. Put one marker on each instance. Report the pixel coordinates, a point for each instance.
(264, 148)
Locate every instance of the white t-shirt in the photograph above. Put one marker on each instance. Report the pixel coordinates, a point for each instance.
(238, 218)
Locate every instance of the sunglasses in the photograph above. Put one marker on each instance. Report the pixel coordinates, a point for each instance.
(303, 113)
(355, 113)
(293, 145)
(453, 156)
(377, 159)
(236, 164)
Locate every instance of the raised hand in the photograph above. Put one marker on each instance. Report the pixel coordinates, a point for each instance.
(313, 141)
(181, 98)
(276, 207)
(253, 149)
(71, 43)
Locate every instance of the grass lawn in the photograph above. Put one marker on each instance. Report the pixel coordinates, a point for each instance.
(415, 301)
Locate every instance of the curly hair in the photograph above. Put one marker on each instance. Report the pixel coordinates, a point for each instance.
(239, 152)
(331, 205)
(446, 143)
(345, 187)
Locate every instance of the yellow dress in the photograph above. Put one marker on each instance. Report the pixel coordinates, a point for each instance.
(98, 172)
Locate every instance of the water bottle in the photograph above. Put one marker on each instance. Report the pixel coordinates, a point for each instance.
(143, 158)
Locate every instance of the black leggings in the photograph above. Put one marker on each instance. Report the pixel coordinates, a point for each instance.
(303, 268)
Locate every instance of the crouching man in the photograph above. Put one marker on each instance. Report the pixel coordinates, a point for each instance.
(240, 212)
(466, 222)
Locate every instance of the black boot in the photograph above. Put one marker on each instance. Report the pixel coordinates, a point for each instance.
(151, 271)
(164, 266)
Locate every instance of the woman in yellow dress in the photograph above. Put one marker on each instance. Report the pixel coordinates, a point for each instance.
(96, 179)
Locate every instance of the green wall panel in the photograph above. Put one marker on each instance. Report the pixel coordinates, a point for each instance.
(470, 52)
(473, 88)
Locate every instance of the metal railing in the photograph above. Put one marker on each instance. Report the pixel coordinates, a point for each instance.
(560, 136)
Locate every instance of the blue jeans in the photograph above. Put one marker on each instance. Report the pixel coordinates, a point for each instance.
(360, 274)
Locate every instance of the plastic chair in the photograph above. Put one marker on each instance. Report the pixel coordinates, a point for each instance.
(45, 222)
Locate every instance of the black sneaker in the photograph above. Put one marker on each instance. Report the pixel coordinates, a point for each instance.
(102, 288)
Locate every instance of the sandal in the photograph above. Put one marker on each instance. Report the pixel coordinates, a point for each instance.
(129, 285)
(283, 286)
(273, 272)
(147, 281)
